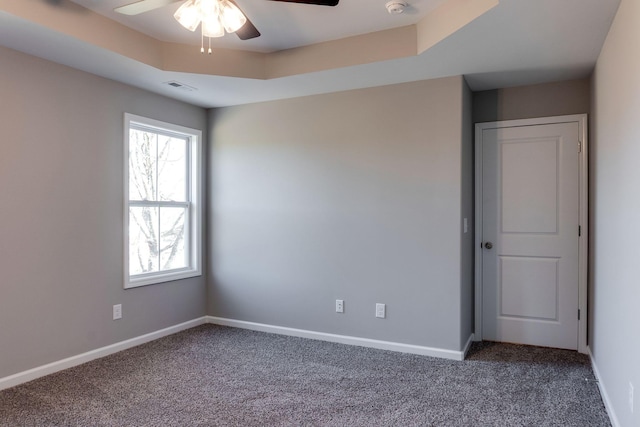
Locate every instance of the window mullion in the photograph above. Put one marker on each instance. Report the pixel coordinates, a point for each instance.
(166, 204)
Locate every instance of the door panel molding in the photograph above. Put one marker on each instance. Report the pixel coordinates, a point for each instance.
(581, 120)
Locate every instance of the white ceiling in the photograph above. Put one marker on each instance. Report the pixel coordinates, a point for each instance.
(518, 42)
(283, 25)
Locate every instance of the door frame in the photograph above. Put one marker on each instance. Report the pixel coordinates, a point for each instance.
(583, 214)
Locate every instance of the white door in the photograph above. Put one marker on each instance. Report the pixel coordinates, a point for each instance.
(530, 235)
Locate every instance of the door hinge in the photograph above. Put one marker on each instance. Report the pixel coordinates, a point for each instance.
(579, 230)
(578, 314)
(579, 146)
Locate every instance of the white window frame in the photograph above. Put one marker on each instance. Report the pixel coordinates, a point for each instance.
(194, 220)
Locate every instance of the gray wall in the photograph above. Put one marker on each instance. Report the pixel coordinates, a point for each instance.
(615, 203)
(61, 244)
(353, 195)
(525, 102)
(467, 240)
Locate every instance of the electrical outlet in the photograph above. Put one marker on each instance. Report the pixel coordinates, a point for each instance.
(339, 306)
(381, 310)
(631, 396)
(117, 311)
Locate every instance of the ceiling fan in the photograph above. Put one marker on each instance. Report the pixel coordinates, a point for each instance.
(247, 30)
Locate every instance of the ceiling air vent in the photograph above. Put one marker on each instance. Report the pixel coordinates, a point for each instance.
(180, 86)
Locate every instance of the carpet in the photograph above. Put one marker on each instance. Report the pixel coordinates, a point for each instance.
(219, 376)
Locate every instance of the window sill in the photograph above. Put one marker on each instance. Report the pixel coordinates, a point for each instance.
(154, 279)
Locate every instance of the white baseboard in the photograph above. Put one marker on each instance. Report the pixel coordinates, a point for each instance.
(50, 368)
(603, 392)
(467, 346)
(40, 371)
(342, 339)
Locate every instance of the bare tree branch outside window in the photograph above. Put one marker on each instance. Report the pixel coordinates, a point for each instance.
(158, 201)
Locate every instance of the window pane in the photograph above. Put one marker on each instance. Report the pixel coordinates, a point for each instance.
(143, 154)
(143, 240)
(172, 168)
(172, 241)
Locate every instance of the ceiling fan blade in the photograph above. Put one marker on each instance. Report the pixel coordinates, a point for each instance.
(248, 31)
(317, 2)
(142, 6)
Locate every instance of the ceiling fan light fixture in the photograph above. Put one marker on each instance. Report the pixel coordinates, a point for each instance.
(232, 18)
(212, 27)
(188, 15)
(207, 7)
(216, 16)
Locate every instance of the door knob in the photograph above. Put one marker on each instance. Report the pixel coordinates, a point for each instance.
(488, 245)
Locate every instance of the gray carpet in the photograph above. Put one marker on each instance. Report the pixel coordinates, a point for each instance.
(218, 376)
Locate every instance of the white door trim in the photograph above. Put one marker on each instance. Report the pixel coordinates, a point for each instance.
(581, 119)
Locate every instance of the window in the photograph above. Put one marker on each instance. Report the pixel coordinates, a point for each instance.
(162, 202)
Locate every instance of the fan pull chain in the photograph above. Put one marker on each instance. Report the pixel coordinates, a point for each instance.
(202, 43)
